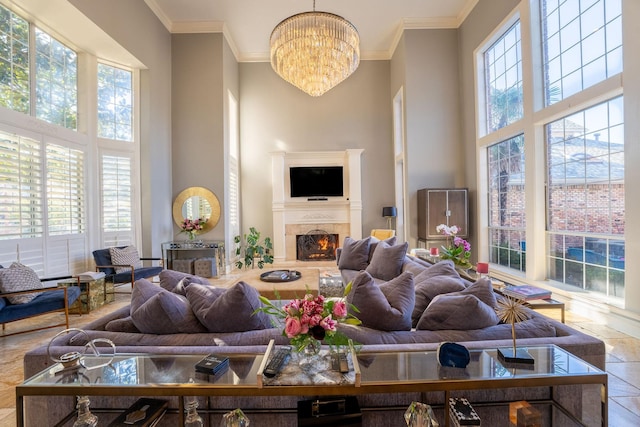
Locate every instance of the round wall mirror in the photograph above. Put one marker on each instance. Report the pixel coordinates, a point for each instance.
(197, 203)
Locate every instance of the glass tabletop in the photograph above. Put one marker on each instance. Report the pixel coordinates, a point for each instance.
(376, 368)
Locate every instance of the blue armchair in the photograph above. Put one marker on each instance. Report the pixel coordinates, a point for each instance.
(48, 300)
(102, 258)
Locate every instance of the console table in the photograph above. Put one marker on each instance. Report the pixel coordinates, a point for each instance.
(381, 372)
(176, 252)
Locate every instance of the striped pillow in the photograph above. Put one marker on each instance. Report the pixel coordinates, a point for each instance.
(16, 278)
(125, 256)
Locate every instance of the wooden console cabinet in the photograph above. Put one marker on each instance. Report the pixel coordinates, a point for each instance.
(437, 206)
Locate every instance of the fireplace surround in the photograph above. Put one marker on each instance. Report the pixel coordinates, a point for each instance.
(294, 216)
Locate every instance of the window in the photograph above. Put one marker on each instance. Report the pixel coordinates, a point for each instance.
(21, 189)
(117, 200)
(585, 176)
(507, 219)
(503, 74)
(56, 82)
(582, 44)
(115, 103)
(65, 190)
(14, 62)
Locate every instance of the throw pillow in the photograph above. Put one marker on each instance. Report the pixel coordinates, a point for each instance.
(157, 311)
(354, 254)
(176, 281)
(127, 256)
(228, 310)
(17, 278)
(441, 278)
(124, 324)
(386, 307)
(373, 244)
(387, 261)
(482, 289)
(457, 312)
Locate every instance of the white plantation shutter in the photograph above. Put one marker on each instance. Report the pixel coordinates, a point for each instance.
(117, 203)
(21, 187)
(65, 190)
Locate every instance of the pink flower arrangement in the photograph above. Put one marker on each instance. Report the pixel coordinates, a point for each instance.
(192, 226)
(459, 251)
(313, 318)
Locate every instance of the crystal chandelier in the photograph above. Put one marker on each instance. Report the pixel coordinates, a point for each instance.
(315, 51)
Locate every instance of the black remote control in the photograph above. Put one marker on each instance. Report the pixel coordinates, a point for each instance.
(279, 359)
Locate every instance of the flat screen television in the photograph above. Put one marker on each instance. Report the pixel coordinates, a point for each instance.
(316, 181)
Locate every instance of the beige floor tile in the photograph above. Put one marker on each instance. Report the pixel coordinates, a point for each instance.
(628, 371)
(618, 387)
(620, 416)
(8, 417)
(626, 349)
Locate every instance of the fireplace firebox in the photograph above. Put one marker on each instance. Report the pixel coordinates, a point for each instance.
(316, 245)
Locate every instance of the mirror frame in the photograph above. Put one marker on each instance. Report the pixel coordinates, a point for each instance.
(201, 192)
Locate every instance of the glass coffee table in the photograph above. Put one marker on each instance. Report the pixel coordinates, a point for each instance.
(380, 372)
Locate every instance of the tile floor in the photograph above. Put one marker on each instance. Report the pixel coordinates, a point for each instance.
(623, 361)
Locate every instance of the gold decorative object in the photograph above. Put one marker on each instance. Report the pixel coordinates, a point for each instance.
(197, 203)
(511, 310)
(315, 51)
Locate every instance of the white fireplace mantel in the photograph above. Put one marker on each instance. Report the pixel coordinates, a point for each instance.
(291, 215)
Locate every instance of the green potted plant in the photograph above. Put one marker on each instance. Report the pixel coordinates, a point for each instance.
(253, 249)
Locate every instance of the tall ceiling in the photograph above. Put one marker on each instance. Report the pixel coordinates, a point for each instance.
(248, 23)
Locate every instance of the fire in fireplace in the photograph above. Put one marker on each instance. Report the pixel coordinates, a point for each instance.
(316, 245)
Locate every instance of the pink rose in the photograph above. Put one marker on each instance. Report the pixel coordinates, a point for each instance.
(340, 309)
(328, 323)
(292, 327)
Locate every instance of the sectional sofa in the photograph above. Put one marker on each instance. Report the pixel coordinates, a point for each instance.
(405, 304)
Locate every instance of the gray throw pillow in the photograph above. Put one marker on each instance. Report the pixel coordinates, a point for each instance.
(228, 310)
(157, 311)
(354, 254)
(386, 307)
(176, 281)
(441, 278)
(17, 278)
(373, 244)
(126, 256)
(457, 312)
(124, 324)
(482, 289)
(387, 261)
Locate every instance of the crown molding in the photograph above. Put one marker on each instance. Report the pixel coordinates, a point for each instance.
(153, 5)
(182, 27)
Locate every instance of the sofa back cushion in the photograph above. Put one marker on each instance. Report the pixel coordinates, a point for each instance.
(157, 311)
(17, 278)
(457, 312)
(386, 307)
(440, 278)
(387, 261)
(228, 310)
(354, 254)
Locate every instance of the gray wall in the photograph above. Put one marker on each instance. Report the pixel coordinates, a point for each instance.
(137, 29)
(276, 116)
(198, 120)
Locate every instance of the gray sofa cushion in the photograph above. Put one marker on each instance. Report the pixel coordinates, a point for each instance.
(457, 312)
(387, 260)
(228, 310)
(354, 254)
(483, 290)
(441, 278)
(155, 310)
(124, 324)
(176, 281)
(373, 244)
(386, 307)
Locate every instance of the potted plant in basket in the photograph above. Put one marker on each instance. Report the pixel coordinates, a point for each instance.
(253, 249)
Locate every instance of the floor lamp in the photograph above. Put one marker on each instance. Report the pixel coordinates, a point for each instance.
(389, 212)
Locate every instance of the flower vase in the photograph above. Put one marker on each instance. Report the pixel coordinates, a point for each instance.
(310, 353)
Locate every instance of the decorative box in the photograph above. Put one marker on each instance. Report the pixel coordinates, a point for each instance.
(205, 267)
(183, 265)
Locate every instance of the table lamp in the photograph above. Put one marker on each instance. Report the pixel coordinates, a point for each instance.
(389, 212)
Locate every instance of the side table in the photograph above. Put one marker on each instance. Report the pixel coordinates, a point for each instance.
(93, 294)
(536, 304)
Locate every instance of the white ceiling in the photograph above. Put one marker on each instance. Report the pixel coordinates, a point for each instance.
(248, 23)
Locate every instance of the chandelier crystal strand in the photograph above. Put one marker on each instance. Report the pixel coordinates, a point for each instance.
(315, 51)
